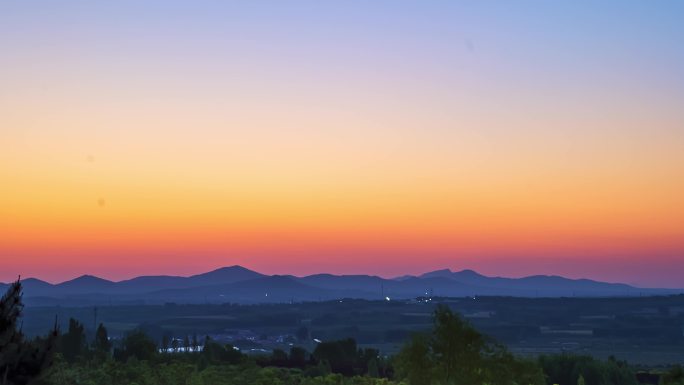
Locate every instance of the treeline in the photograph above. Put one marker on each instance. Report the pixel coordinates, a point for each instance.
(453, 352)
(339, 357)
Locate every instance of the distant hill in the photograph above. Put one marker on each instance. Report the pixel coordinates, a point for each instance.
(537, 285)
(84, 283)
(237, 284)
(225, 275)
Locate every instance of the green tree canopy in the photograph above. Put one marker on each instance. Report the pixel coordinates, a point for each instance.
(455, 353)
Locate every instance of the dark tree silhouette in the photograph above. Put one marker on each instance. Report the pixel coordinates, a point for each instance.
(102, 343)
(195, 342)
(21, 361)
(165, 343)
(297, 357)
(342, 355)
(73, 342)
(136, 344)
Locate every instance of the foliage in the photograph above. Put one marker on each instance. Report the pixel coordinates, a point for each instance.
(341, 355)
(415, 361)
(136, 345)
(457, 348)
(569, 369)
(21, 361)
(345, 358)
(216, 353)
(674, 376)
(178, 372)
(452, 353)
(455, 353)
(72, 344)
(297, 357)
(102, 343)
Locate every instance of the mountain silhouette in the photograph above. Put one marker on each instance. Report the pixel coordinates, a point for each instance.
(85, 282)
(237, 284)
(226, 275)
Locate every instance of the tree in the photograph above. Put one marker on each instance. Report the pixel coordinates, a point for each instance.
(457, 347)
(21, 362)
(73, 343)
(279, 358)
(341, 355)
(297, 357)
(414, 361)
(165, 343)
(580, 380)
(619, 372)
(455, 353)
(102, 345)
(136, 344)
(195, 343)
(321, 369)
(674, 376)
(214, 353)
(373, 370)
(368, 361)
(567, 368)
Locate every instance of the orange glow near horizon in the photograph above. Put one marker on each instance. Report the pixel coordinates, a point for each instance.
(126, 153)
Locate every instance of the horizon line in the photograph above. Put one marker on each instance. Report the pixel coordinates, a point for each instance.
(418, 275)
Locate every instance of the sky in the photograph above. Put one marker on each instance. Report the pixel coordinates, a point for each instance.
(385, 137)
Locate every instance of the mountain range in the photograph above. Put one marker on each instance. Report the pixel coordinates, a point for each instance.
(236, 284)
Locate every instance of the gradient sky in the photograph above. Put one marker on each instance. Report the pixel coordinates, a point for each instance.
(387, 137)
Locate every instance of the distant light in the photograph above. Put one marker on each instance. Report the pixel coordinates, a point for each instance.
(387, 298)
(267, 294)
(316, 340)
(236, 348)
